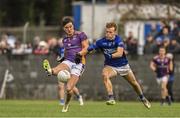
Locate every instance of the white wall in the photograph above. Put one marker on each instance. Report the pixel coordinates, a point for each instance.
(102, 16)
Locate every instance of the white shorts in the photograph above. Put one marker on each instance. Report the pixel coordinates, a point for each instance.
(75, 69)
(123, 70)
(162, 79)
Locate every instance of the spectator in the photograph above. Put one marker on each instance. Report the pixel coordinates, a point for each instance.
(36, 42)
(53, 46)
(11, 40)
(42, 48)
(174, 47)
(176, 31)
(154, 31)
(18, 49)
(164, 24)
(150, 44)
(28, 48)
(131, 44)
(158, 44)
(4, 47)
(165, 35)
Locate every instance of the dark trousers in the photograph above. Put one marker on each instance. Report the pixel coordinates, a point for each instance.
(170, 89)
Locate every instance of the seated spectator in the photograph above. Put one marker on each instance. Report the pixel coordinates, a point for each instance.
(28, 48)
(36, 41)
(53, 46)
(18, 49)
(42, 48)
(4, 48)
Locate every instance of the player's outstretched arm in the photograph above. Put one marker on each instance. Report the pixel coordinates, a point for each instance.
(92, 47)
(85, 45)
(83, 52)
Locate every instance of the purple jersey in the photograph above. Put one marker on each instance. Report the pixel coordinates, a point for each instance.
(73, 45)
(162, 66)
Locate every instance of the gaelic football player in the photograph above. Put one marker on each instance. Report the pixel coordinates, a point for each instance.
(75, 44)
(116, 63)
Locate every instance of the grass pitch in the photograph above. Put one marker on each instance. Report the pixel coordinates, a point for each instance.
(40, 108)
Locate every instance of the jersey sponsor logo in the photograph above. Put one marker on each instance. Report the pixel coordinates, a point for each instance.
(73, 47)
(104, 44)
(69, 44)
(109, 51)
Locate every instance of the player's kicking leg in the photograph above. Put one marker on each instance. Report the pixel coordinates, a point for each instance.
(107, 74)
(132, 80)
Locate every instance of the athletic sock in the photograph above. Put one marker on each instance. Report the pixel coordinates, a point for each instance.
(111, 97)
(141, 97)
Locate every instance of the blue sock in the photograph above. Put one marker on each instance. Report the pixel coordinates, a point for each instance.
(61, 100)
(78, 96)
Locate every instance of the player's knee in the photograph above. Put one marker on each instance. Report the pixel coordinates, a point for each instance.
(69, 89)
(54, 71)
(61, 87)
(105, 76)
(163, 89)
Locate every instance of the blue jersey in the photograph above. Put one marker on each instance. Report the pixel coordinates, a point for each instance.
(61, 51)
(110, 47)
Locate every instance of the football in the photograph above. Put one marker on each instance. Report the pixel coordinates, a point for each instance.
(63, 76)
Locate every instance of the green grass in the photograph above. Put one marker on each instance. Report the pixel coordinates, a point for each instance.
(39, 108)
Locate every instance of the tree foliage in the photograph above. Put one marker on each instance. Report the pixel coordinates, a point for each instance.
(18, 12)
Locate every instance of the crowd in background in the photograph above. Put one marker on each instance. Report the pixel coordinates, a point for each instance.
(168, 35)
(9, 44)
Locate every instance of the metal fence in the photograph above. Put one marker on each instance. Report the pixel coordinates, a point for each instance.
(31, 82)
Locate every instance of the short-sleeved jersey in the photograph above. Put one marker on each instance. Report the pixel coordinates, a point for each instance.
(72, 45)
(110, 47)
(162, 66)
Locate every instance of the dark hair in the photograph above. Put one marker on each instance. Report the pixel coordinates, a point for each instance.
(162, 47)
(66, 20)
(111, 24)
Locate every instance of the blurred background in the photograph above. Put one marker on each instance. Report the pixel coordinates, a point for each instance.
(30, 31)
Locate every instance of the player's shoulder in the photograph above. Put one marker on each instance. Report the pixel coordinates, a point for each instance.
(79, 33)
(101, 40)
(64, 38)
(118, 38)
(156, 57)
(167, 58)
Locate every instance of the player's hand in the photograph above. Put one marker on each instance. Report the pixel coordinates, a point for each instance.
(78, 58)
(60, 59)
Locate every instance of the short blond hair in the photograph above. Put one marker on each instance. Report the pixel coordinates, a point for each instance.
(111, 24)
